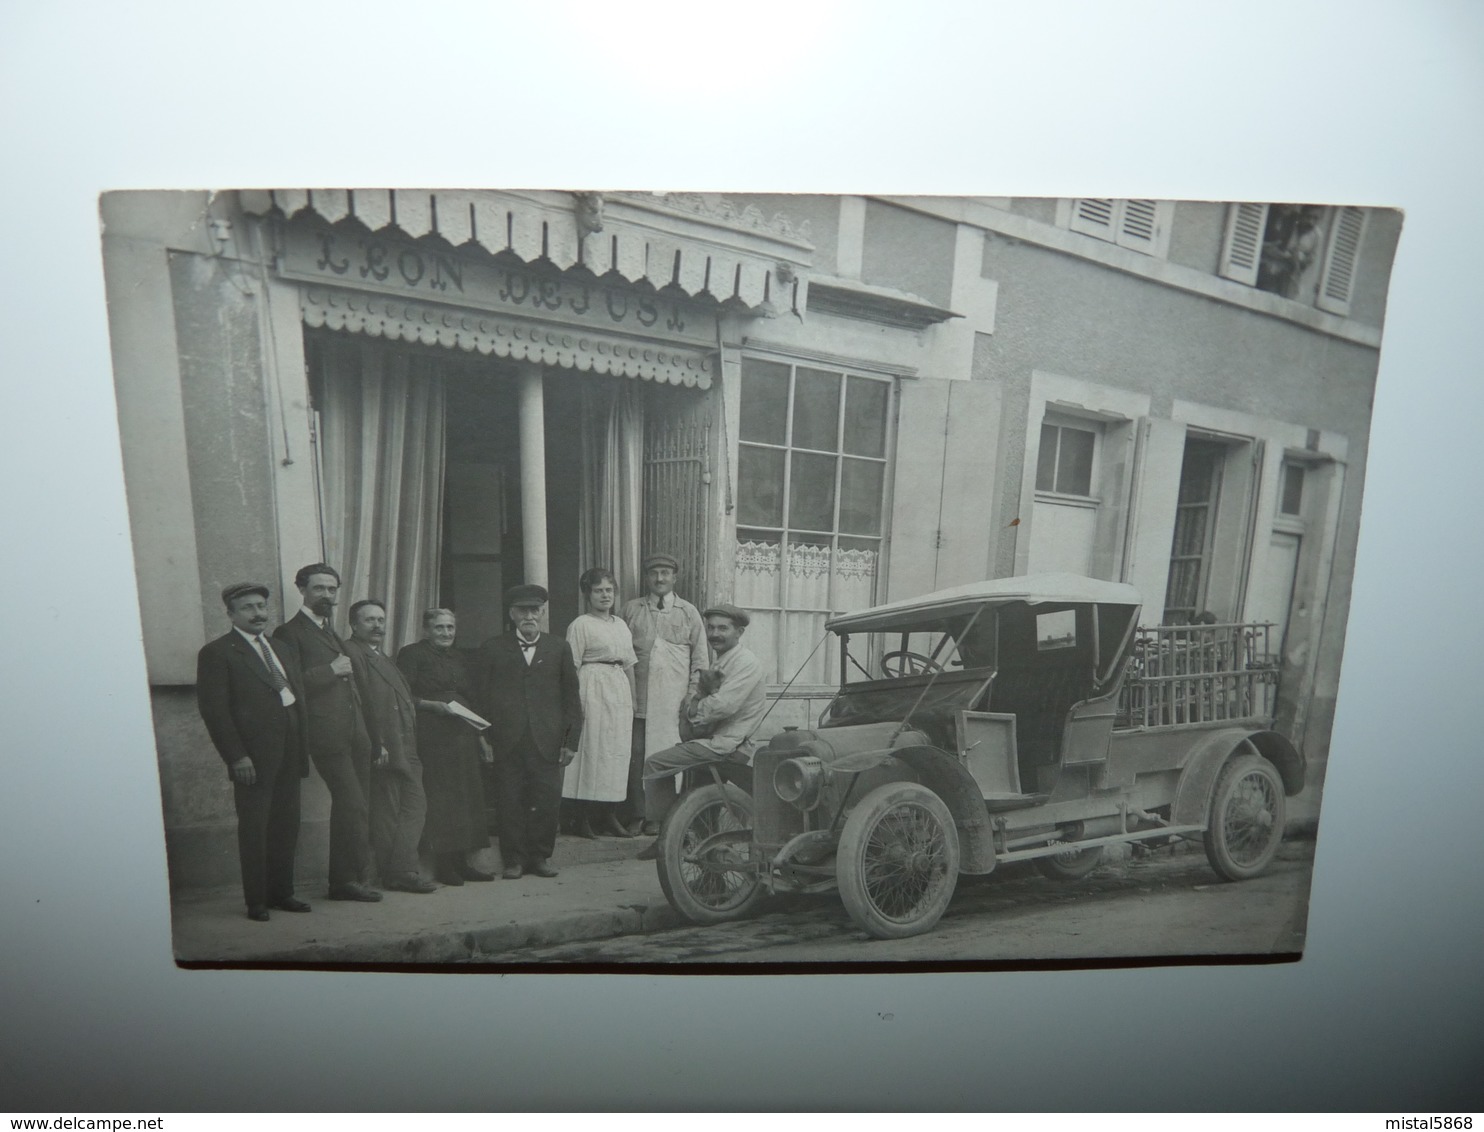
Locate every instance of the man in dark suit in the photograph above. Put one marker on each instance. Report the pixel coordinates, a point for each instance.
(398, 804)
(251, 700)
(528, 689)
(337, 738)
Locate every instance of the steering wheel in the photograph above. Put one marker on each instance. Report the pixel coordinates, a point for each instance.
(908, 664)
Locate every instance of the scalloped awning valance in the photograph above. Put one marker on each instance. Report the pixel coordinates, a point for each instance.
(704, 245)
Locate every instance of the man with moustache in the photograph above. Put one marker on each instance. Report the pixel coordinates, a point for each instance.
(670, 644)
(251, 700)
(398, 804)
(337, 738)
(528, 690)
(723, 712)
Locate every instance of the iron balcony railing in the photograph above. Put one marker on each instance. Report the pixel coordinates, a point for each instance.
(1180, 674)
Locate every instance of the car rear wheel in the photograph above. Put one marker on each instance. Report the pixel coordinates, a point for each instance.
(1074, 864)
(897, 864)
(703, 859)
(1247, 816)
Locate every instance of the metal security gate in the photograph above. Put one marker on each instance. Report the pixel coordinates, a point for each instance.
(677, 484)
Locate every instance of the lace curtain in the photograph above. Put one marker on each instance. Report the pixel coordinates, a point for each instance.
(612, 438)
(817, 582)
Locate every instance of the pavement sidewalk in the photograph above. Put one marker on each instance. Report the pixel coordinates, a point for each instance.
(602, 891)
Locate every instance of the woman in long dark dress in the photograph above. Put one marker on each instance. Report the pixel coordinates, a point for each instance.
(449, 748)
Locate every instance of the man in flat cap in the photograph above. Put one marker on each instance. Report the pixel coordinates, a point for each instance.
(528, 691)
(670, 642)
(723, 712)
(338, 740)
(251, 700)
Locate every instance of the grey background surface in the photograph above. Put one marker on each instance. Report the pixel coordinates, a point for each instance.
(1367, 103)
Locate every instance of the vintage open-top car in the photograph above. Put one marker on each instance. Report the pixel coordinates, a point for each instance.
(1016, 719)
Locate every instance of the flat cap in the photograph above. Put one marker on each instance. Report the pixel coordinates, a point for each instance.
(525, 595)
(660, 560)
(238, 589)
(738, 617)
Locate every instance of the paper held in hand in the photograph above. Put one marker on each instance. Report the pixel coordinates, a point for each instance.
(478, 722)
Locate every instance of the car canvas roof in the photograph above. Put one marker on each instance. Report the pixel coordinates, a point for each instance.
(942, 605)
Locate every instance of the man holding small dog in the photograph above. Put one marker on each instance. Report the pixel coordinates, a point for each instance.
(723, 712)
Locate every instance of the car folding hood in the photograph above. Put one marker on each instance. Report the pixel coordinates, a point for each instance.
(944, 605)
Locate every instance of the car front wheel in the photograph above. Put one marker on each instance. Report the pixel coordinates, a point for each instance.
(1247, 816)
(897, 863)
(703, 860)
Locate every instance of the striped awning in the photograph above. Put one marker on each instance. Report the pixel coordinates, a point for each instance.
(701, 244)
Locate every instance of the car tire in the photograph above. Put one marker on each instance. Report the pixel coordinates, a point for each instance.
(897, 863)
(1247, 816)
(703, 887)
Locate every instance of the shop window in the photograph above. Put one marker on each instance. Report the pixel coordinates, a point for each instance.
(1140, 225)
(1304, 252)
(811, 488)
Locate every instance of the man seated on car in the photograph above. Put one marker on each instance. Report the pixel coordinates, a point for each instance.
(722, 714)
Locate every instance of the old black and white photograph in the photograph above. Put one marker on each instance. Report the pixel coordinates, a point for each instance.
(613, 578)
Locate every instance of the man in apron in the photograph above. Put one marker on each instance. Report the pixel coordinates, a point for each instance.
(670, 642)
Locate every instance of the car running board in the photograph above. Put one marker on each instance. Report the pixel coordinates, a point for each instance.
(1005, 801)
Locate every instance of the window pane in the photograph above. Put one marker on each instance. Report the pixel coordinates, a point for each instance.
(811, 498)
(1046, 459)
(1074, 462)
(760, 487)
(1293, 489)
(865, 416)
(816, 410)
(1198, 471)
(860, 497)
(764, 401)
(1190, 531)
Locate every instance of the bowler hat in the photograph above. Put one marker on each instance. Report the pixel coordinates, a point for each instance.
(738, 617)
(525, 595)
(238, 589)
(660, 560)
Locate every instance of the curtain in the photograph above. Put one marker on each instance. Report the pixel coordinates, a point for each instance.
(612, 438)
(819, 581)
(382, 465)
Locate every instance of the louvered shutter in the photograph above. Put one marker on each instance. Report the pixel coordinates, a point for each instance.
(1142, 225)
(1242, 250)
(1095, 217)
(1338, 277)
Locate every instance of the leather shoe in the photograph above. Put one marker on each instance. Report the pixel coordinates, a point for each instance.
(292, 904)
(450, 877)
(513, 872)
(650, 852)
(412, 883)
(541, 868)
(469, 872)
(355, 892)
(257, 912)
(651, 829)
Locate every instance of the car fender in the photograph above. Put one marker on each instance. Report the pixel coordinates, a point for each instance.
(949, 780)
(1198, 779)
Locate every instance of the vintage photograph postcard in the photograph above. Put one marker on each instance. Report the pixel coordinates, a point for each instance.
(681, 581)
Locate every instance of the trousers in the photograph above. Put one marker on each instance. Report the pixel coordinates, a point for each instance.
(399, 807)
(528, 796)
(660, 790)
(347, 775)
(267, 834)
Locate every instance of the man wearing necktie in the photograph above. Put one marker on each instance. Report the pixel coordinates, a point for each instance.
(337, 737)
(528, 691)
(251, 701)
(398, 804)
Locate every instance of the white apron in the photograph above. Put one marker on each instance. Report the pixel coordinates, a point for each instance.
(669, 678)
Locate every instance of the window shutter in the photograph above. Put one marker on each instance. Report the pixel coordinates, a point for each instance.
(1143, 225)
(1095, 217)
(1242, 248)
(1338, 277)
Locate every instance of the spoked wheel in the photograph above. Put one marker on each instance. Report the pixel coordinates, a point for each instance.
(703, 860)
(1074, 864)
(1247, 815)
(897, 863)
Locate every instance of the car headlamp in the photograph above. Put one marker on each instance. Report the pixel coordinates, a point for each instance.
(800, 781)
